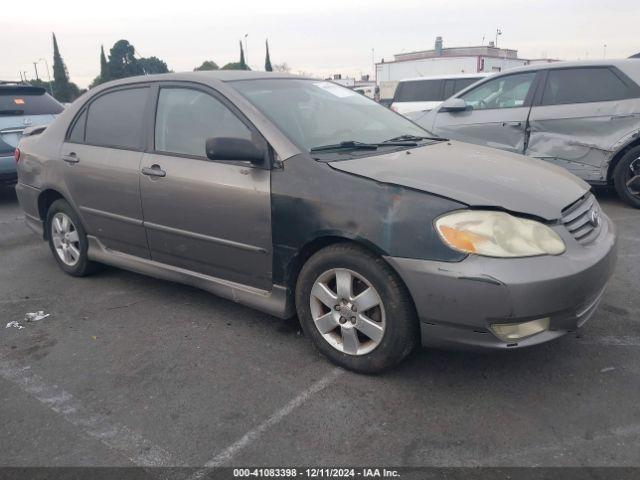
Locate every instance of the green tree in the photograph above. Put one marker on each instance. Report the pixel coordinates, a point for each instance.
(241, 65)
(267, 60)
(63, 89)
(122, 60)
(104, 66)
(235, 66)
(207, 65)
(151, 65)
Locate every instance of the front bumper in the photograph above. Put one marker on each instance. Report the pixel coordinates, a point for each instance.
(457, 302)
(8, 173)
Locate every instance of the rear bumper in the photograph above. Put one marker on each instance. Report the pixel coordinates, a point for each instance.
(8, 173)
(457, 302)
(28, 199)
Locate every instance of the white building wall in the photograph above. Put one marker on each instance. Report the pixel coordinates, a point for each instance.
(425, 67)
(394, 71)
(493, 64)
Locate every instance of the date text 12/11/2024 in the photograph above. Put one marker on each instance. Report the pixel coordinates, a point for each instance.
(315, 473)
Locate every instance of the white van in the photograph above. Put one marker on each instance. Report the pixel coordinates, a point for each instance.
(426, 93)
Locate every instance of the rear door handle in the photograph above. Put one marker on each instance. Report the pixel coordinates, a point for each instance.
(154, 171)
(71, 158)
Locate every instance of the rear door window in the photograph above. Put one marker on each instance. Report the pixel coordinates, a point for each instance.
(186, 117)
(509, 91)
(582, 85)
(77, 132)
(116, 119)
(15, 101)
(420, 91)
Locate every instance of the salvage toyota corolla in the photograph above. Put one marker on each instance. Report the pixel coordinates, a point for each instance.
(295, 195)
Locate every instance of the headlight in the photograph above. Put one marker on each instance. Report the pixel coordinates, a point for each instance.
(497, 234)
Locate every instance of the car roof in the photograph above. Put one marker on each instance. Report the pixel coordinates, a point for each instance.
(453, 76)
(209, 75)
(621, 63)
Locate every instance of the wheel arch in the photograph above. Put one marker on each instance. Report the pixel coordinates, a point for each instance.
(318, 243)
(619, 155)
(45, 200)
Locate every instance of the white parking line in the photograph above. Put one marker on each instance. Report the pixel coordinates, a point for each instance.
(224, 456)
(140, 451)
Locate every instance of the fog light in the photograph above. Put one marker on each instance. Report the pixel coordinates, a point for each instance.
(510, 332)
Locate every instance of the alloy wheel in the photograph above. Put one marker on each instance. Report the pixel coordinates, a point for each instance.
(65, 239)
(348, 311)
(632, 178)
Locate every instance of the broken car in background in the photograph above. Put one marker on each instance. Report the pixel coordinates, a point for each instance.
(583, 116)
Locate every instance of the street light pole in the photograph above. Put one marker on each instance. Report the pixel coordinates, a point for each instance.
(46, 64)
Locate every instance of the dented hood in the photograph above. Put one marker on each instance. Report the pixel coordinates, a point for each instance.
(477, 176)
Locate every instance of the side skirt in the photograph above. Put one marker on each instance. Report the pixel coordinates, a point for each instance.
(276, 302)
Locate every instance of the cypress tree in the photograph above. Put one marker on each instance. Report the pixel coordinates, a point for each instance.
(61, 87)
(104, 66)
(267, 61)
(241, 62)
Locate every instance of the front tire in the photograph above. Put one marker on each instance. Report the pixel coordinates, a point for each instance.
(355, 309)
(68, 239)
(626, 177)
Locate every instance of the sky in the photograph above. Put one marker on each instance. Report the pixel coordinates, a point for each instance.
(323, 37)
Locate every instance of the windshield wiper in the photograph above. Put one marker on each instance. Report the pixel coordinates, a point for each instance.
(346, 145)
(414, 138)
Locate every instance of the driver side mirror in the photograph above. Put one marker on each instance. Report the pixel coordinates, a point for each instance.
(453, 105)
(233, 148)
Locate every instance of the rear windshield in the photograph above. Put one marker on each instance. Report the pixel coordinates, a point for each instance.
(27, 101)
(419, 91)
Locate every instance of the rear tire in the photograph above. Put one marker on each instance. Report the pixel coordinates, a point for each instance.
(628, 169)
(355, 309)
(68, 239)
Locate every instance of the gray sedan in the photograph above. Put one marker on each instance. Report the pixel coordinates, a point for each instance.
(583, 116)
(298, 196)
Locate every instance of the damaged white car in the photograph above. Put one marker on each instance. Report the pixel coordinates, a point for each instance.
(584, 116)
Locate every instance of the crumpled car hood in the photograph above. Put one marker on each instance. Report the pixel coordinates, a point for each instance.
(477, 176)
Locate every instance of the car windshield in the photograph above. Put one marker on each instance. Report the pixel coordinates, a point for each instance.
(316, 114)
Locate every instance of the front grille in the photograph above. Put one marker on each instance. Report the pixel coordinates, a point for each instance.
(582, 219)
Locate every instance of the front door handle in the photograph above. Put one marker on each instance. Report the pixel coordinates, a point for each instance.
(71, 158)
(154, 171)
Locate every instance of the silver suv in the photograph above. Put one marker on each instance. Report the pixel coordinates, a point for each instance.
(583, 116)
(21, 106)
(294, 195)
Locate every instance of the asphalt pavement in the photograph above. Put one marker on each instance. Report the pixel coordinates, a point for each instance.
(128, 370)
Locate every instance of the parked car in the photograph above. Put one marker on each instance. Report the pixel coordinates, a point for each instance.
(367, 90)
(21, 106)
(583, 116)
(417, 95)
(295, 195)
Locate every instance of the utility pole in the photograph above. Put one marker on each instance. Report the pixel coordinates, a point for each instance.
(373, 62)
(498, 33)
(35, 67)
(604, 51)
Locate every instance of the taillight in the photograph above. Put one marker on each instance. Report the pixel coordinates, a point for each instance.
(16, 154)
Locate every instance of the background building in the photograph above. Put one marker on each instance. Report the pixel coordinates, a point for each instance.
(440, 61)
